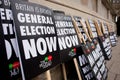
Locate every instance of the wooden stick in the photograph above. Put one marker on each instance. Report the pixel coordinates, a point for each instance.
(77, 30)
(77, 68)
(64, 71)
(109, 28)
(48, 75)
(104, 32)
(103, 28)
(98, 29)
(75, 61)
(83, 25)
(89, 29)
(81, 40)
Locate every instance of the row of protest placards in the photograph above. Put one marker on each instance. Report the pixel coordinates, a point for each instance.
(34, 38)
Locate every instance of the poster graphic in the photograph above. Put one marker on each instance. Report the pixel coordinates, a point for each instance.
(92, 60)
(67, 37)
(7, 26)
(4, 71)
(77, 19)
(36, 36)
(107, 43)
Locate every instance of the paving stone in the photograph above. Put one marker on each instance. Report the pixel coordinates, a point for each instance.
(116, 58)
(111, 76)
(118, 77)
(113, 65)
(115, 68)
(109, 64)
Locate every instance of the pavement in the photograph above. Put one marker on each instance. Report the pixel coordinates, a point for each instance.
(113, 64)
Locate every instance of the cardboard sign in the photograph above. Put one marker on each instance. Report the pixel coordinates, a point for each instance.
(7, 26)
(71, 73)
(103, 45)
(67, 38)
(107, 43)
(112, 39)
(94, 56)
(105, 29)
(98, 27)
(4, 69)
(115, 37)
(85, 68)
(92, 64)
(98, 56)
(36, 36)
(102, 40)
(96, 60)
(77, 19)
(93, 29)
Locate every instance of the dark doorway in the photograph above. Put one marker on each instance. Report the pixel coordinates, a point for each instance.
(118, 26)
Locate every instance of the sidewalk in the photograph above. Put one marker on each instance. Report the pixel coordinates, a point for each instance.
(114, 64)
